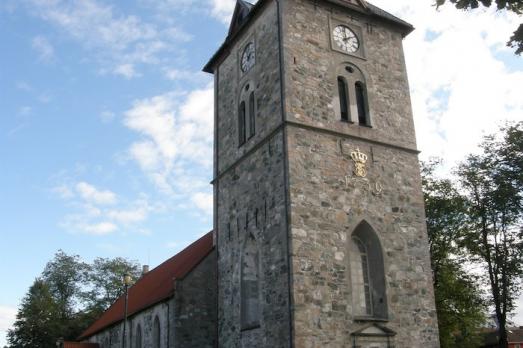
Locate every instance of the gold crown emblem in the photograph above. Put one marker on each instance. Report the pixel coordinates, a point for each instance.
(358, 156)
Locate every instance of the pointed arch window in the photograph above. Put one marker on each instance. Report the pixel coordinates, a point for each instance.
(344, 98)
(156, 333)
(361, 102)
(367, 273)
(250, 287)
(246, 113)
(360, 278)
(252, 122)
(241, 124)
(138, 339)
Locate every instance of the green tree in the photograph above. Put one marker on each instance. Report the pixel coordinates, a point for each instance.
(105, 282)
(493, 184)
(68, 297)
(459, 304)
(64, 275)
(516, 6)
(36, 324)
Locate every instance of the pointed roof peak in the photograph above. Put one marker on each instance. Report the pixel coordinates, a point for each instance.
(240, 14)
(359, 3)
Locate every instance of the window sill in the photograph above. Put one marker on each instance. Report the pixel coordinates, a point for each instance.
(371, 319)
(250, 327)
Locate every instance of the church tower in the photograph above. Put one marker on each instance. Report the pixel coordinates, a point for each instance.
(318, 209)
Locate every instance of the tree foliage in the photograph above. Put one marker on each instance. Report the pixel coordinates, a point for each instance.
(516, 6)
(493, 184)
(105, 278)
(36, 324)
(64, 275)
(459, 303)
(69, 295)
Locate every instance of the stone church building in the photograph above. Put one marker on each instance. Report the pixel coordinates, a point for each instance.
(319, 235)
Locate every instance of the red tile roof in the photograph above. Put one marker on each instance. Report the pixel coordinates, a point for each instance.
(156, 285)
(80, 345)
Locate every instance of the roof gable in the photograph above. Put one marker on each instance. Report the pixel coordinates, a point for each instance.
(156, 285)
(239, 16)
(357, 3)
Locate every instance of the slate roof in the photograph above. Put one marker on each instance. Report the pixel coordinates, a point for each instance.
(236, 28)
(154, 286)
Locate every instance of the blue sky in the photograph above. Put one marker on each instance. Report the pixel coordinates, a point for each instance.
(106, 119)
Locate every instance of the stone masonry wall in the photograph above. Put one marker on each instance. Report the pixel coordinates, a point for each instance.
(195, 306)
(250, 190)
(112, 336)
(264, 77)
(252, 201)
(311, 65)
(328, 201)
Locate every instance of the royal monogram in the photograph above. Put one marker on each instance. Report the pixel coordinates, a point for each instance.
(360, 161)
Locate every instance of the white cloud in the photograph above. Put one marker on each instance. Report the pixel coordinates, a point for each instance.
(222, 10)
(154, 118)
(126, 70)
(459, 84)
(100, 212)
(175, 149)
(146, 154)
(132, 215)
(120, 42)
(177, 34)
(101, 228)
(44, 48)
(91, 194)
(7, 318)
(203, 201)
(175, 74)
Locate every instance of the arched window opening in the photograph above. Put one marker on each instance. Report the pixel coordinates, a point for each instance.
(352, 96)
(367, 273)
(241, 124)
(138, 340)
(344, 99)
(250, 288)
(360, 278)
(156, 333)
(252, 122)
(361, 101)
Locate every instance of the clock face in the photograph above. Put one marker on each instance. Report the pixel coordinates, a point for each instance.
(248, 57)
(345, 39)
